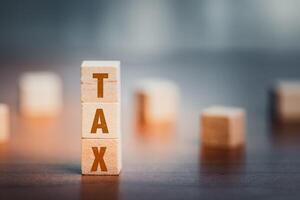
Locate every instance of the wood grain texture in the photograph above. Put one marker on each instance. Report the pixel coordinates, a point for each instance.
(111, 157)
(112, 115)
(111, 85)
(223, 127)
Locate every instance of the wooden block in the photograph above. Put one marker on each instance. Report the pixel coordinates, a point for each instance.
(223, 127)
(4, 123)
(287, 95)
(101, 156)
(40, 94)
(101, 120)
(157, 102)
(100, 81)
(100, 97)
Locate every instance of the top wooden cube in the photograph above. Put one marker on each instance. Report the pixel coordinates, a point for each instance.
(100, 81)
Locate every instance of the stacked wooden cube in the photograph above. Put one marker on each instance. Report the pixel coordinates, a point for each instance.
(101, 124)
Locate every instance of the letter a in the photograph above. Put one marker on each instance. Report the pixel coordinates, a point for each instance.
(99, 115)
(100, 77)
(99, 159)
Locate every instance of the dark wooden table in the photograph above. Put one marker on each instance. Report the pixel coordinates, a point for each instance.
(42, 159)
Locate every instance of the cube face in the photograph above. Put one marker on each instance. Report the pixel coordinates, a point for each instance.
(4, 123)
(216, 131)
(157, 102)
(40, 94)
(35, 107)
(223, 127)
(289, 107)
(238, 127)
(101, 120)
(94, 73)
(101, 156)
(288, 101)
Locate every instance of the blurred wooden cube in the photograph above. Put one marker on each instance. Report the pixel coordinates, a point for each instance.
(40, 94)
(101, 156)
(157, 102)
(4, 123)
(101, 120)
(94, 73)
(287, 94)
(223, 127)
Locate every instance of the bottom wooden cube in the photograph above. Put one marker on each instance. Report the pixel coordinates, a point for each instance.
(101, 156)
(4, 123)
(223, 127)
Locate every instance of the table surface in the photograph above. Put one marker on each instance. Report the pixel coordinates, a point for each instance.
(42, 159)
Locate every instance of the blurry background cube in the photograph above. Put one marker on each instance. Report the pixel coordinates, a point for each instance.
(40, 94)
(223, 127)
(4, 123)
(157, 102)
(287, 95)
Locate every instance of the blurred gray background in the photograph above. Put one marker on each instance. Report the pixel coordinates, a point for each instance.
(146, 27)
(218, 51)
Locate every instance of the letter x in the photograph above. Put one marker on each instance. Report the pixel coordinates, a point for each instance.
(99, 159)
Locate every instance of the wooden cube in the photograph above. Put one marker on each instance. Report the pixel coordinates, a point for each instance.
(223, 127)
(287, 94)
(157, 102)
(101, 156)
(94, 75)
(4, 123)
(101, 120)
(40, 94)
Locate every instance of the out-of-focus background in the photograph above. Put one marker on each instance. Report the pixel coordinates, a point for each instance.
(218, 52)
(41, 28)
(211, 48)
